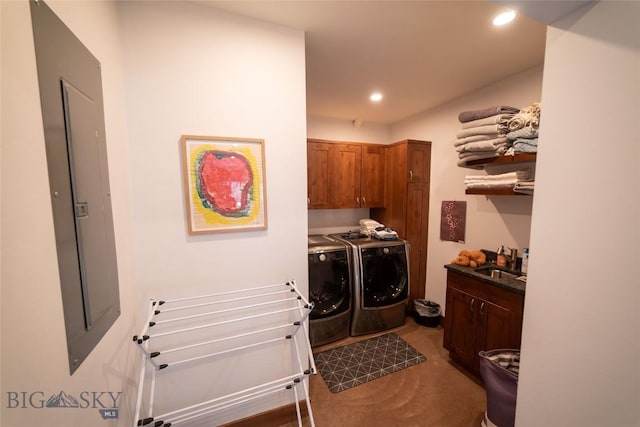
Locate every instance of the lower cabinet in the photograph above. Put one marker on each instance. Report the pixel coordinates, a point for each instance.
(479, 316)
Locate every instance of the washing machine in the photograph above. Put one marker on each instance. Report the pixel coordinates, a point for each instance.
(381, 282)
(330, 289)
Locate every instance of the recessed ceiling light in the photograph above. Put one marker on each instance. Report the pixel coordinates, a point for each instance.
(504, 18)
(376, 97)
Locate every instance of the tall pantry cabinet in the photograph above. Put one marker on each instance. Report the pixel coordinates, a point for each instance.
(407, 205)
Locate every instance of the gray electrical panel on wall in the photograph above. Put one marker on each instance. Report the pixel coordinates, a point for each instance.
(70, 83)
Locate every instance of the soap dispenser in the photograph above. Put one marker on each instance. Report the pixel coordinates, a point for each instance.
(501, 259)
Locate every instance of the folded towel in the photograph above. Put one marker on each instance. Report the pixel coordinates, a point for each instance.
(478, 155)
(486, 153)
(468, 116)
(474, 138)
(525, 132)
(525, 145)
(487, 145)
(491, 120)
(483, 130)
(524, 187)
(521, 175)
(384, 233)
(491, 184)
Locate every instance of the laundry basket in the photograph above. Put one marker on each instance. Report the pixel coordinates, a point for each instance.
(499, 370)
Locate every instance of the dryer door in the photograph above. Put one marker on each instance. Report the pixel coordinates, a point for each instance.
(329, 283)
(385, 276)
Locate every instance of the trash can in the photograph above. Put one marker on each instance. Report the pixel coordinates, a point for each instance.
(499, 370)
(426, 313)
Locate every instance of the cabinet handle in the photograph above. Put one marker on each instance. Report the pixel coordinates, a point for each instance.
(473, 301)
(482, 308)
(410, 174)
(358, 201)
(364, 201)
(308, 201)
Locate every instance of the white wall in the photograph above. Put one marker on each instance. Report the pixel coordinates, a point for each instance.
(581, 340)
(194, 70)
(34, 353)
(491, 221)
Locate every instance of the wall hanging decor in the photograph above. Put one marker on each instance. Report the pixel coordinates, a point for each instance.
(225, 184)
(453, 218)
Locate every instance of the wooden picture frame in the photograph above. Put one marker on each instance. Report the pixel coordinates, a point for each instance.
(225, 184)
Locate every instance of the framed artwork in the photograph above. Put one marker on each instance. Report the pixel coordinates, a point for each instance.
(225, 184)
(453, 218)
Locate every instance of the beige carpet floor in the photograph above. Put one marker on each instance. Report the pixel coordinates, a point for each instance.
(434, 393)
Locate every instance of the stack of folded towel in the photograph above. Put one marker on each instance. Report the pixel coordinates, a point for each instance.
(370, 227)
(521, 179)
(484, 133)
(523, 129)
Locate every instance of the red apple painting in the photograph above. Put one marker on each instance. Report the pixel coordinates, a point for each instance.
(225, 184)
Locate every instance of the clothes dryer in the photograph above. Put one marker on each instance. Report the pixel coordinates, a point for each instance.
(381, 283)
(330, 289)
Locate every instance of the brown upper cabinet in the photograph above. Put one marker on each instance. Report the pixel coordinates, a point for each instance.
(344, 175)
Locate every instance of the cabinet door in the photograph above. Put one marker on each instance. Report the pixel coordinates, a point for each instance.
(419, 162)
(417, 227)
(459, 332)
(497, 327)
(373, 176)
(344, 175)
(318, 194)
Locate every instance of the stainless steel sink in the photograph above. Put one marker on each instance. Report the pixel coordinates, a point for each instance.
(496, 273)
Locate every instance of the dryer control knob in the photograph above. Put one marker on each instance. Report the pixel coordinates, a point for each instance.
(322, 257)
(386, 251)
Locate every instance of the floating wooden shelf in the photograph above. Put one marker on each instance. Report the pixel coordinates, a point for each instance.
(494, 192)
(504, 160)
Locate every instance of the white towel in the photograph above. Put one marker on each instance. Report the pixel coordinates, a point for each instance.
(521, 175)
(370, 222)
(505, 183)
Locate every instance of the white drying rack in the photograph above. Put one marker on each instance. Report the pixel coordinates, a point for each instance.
(152, 364)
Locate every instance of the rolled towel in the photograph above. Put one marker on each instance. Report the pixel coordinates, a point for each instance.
(468, 116)
(528, 116)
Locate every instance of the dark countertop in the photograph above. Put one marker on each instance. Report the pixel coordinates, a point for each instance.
(510, 284)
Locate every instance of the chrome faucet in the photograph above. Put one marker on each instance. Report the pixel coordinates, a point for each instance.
(512, 259)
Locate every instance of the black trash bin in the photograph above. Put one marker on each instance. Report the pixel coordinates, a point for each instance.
(426, 313)
(499, 370)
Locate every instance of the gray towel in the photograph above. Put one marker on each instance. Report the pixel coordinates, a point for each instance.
(467, 116)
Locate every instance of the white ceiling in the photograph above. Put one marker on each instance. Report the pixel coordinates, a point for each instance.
(419, 54)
